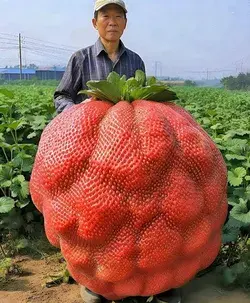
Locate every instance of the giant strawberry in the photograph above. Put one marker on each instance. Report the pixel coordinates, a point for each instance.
(133, 191)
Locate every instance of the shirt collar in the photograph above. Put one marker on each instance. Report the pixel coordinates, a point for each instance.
(99, 48)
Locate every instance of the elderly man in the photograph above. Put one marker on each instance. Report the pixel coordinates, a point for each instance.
(95, 63)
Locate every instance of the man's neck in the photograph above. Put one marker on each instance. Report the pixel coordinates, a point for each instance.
(112, 48)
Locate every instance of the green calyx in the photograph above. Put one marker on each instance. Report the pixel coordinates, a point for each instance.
(117, 88)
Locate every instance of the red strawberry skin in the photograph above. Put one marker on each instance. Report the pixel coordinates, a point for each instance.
(134, 195)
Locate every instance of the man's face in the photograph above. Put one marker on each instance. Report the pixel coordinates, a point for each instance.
(110, 22)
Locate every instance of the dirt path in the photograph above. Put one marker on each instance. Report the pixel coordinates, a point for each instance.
(29, 288)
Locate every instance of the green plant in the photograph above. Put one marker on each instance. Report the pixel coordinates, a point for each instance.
(19, 133)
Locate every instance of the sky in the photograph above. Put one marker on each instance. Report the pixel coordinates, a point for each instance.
(185, 38)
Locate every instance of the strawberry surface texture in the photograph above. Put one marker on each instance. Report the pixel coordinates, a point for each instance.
(134, 195)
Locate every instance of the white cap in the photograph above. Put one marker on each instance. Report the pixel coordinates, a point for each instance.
(101, 3)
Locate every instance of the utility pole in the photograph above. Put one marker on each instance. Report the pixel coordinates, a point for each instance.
(20, 57)
(155, 68)
(158, 64)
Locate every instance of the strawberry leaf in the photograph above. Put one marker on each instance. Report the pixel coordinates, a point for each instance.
(241, 212)
(235, 176)
(234, 157)
(140, 77)
(6, 204)
(7, 93)
(151, 81)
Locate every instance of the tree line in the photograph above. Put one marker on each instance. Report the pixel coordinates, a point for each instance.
(241, 82)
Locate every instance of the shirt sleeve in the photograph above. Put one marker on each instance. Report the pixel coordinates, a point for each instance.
(65, 95)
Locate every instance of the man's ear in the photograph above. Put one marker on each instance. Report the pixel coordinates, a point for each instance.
(94, 23)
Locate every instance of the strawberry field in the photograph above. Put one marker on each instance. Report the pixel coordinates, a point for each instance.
(225, 115)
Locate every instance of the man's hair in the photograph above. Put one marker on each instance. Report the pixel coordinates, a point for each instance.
(96, 14)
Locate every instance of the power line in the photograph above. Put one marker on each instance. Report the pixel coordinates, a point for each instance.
(210, 71)
(8, 39)
(46, 55)
(41, 48)
(52, 43)
(47, 47)
(8, 48)
(9, 35)
(9, 43)
(46, 51)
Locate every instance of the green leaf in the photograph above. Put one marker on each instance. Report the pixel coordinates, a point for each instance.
(17, 161)
(165, 96)
(235, 176)
(114, 78)
(7, 93)
(24, 190)
(106, 89)
(140, 77)
(19, 187)
(230, 235)
(144, 93)
(22, 204)
(247, 178)
(4, 109)
(6, 204)
(6, 145)
(217, 126)
(22, 243)
(206, 121)
(5, 173)
(130, 85)
(241, 192)
(239, 132)
(231, 230)
(212, 112)
(32, 135)
(240, 172)
(38, 122)
(16, 124)
(24, 161)
(28, 164)
(241, 212)
(229, 276)
(5, 183)
(123, 80)
(151, 81)
(132, 89)
(19, 179)
(232, 203)
(234, 157)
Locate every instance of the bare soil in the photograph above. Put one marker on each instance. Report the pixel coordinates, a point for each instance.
(29, 287)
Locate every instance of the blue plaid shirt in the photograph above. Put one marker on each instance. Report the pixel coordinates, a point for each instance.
(92, 63)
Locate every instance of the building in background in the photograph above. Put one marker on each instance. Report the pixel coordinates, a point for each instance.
(9, 74)
(49, 73)
(54, 73)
